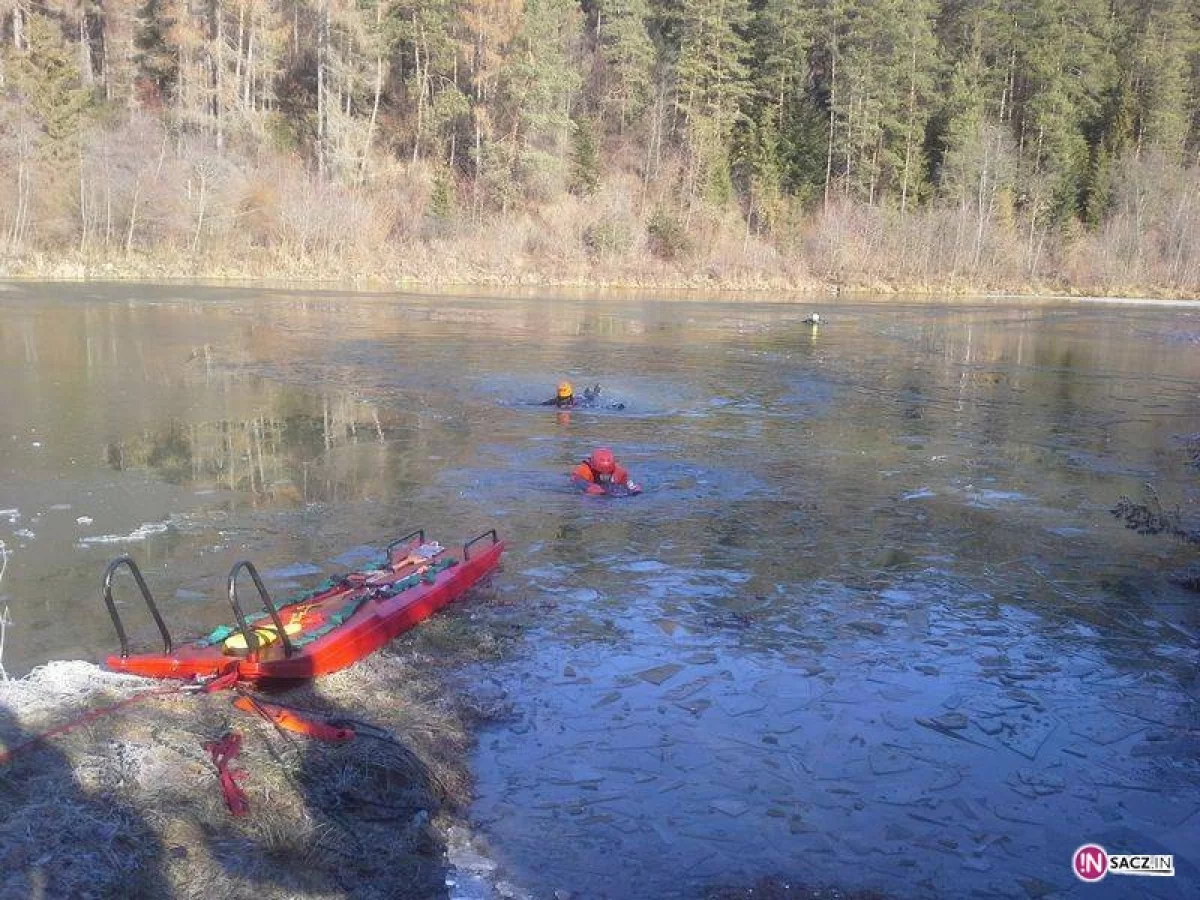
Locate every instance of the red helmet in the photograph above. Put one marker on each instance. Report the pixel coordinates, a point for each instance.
(602, 461)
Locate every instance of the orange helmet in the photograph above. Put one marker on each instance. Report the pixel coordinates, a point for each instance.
(602, 461)
(565, 391)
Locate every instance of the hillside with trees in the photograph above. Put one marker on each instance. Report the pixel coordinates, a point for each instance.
(960, 144)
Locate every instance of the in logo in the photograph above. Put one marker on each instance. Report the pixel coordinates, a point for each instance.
(1090, 862)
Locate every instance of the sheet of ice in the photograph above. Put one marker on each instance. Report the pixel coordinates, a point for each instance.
(141, 533)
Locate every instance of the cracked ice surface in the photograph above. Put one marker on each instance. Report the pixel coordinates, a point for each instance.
(687, 761)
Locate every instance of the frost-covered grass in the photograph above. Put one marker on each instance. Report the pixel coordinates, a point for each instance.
(130, 804)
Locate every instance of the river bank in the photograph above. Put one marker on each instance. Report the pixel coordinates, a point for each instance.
(112, 790)
(556, 250)
(122, 797)
(667, 280)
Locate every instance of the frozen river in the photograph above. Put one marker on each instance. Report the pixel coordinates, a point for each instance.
(872, 622)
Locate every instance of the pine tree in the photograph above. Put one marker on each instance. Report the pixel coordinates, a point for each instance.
(156, 59)
(778, 148)
(539, 84)
(1162, 37)
(886, 58)
(711, 86)
(1064, 68)
(585, 161)
(627, 56)
(46, 76)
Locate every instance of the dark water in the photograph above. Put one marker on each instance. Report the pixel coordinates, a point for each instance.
(871, 623)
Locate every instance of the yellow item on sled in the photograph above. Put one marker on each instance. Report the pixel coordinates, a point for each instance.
(266, 635)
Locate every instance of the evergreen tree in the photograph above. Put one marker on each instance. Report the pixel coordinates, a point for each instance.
(627, 57)
(46, 75)
(539, 85)
(1163, 38)
(1064, 68)
(711, 86)
(780, 150)
(886, 57)
(585, 161)
(156, 59)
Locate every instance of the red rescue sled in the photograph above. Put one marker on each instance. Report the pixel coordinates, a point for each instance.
(328, 629)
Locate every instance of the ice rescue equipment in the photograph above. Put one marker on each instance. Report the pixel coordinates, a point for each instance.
(338, 623)
(262, 637)
(222, 752)
(291, 720)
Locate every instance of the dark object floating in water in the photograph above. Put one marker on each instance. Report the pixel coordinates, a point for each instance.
(1188, 579)
(1150, 518)
(1192, 448)
(340, 622)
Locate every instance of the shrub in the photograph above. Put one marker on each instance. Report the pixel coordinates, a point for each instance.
(607, 237)
(668, 239)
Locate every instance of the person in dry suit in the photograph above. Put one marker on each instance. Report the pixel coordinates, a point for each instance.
(600, 473)
(566, 398)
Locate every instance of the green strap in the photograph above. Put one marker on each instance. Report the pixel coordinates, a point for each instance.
(216, 636)
(335, 620)
(429, 576)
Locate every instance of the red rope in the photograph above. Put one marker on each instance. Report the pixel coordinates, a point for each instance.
(89, 716)
(222, 751)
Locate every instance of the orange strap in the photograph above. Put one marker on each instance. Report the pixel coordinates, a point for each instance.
(292, 721)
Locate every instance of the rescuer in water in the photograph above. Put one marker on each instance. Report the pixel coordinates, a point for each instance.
(600, 473)
(566, 398)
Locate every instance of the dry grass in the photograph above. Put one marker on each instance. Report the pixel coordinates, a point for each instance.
(130, 804)
(149, 209)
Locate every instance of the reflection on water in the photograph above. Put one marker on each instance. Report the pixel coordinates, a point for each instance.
(269, 457)
(871, 622)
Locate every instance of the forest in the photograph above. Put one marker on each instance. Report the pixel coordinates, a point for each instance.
(960, 145)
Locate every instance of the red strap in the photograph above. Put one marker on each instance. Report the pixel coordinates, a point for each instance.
(228, 680)
(7, 755)
(222, 752)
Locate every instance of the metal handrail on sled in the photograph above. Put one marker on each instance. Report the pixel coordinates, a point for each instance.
(146, 595)
(252, 641)
(419, 534)
(491, 532)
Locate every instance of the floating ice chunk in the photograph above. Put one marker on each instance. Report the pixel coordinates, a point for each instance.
(919, 494)
(143, 531)
(660, 674)
(296, 570)
(647, 565)
(84, 520)
(732, 808)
